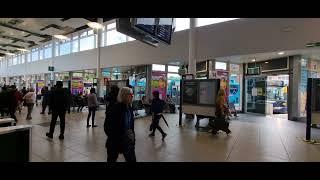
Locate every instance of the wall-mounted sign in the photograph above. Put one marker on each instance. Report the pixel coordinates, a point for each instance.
(50, 68)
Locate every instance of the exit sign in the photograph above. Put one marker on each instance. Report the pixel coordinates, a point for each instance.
(50, 68)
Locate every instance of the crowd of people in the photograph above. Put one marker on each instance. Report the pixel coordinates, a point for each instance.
(119, 114)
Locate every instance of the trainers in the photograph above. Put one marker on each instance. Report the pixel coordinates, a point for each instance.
(88, 126)
(49, 135)
(151, 135)
(61, 137)
(94, 126)
(164, 136)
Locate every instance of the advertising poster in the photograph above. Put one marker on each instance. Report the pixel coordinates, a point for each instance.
(40, 85)
(158, 83)
(190, 94)
(207, 92)
(77, 85)
(224, 79)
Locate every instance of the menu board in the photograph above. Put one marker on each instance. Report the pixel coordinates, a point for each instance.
(164, 30)
(190, 92)
(207, 92)
(146, 24)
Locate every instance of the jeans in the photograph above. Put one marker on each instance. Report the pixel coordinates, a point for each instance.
(30, 108)
(92, 110)
(62, 115)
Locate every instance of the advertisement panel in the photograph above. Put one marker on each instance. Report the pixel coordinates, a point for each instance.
(158, 83)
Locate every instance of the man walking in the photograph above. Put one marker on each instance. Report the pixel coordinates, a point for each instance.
(59, 105)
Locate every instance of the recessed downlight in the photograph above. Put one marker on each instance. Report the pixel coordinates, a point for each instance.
(253, 60)
(24, 50)
(281, 53)
(266, 62)
(10, 54)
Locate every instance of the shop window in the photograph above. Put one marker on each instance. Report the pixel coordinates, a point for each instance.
(208, 21)
(221, 65)
(174, 69)
(182, 24)
(158, 67)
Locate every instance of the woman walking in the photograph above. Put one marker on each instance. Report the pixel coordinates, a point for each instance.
(30, 98)
(119, 127)
(92, 106)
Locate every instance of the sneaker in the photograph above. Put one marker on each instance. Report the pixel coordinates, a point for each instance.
(49, 135)
(42, 113)
(94, 126)
(88, 126)
(228, 132)
(61, 137)
(164, 136)
(151, 135)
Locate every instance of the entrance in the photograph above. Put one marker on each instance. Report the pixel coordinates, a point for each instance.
(268, 95)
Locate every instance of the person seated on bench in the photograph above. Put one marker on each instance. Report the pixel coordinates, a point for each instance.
(146, 105)
(171, 104)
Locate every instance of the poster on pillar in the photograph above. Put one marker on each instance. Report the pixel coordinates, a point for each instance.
(39, 86)
(158, 83)
(77, 85)
(223, 75)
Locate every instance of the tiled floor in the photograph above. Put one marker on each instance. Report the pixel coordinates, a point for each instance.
(253, 138)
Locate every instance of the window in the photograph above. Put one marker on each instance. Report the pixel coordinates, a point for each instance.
(111, 26)
(28, 57)
(56, 53)
(65, 48)
(221, 65)
(130, 38)
(41, 53)
(208, 21)
(158, 67)
(90, 32)
(114, 37)
(22, 60)
(10, 62)
(174, 69)
(15, 60)
(84, 34)
(75, 45)
(35, 54)
(182, 24)
(87, 43)
(48, 51)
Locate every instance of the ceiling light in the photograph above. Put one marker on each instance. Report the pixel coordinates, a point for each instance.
(61, 37)
(253, 60)
(24, 50)
(95, 25)
(266, 62)
(10, 54)
(281, 53)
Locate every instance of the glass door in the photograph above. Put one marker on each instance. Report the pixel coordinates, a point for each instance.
(256, 94)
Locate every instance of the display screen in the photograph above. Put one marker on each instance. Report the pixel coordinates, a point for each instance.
(146, 24)
(208, 92)
(190, 92)
(164, 30)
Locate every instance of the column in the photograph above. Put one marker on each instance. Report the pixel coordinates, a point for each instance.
(192, 47)
(25, 69)
(52, 77)
(98, 71)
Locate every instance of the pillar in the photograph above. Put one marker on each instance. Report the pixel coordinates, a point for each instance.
(51, 63)
(98, 71)
(192, 47)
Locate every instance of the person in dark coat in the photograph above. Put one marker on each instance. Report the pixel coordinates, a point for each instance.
(59, 105)
(13, 102)
(119, 127)
(45, 98)
(156, 109)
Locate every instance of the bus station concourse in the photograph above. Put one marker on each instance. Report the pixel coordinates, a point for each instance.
(188, 89)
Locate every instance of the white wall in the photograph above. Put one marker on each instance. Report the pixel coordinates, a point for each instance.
(238, 37)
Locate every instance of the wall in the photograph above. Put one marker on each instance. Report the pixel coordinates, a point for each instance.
(238, 37)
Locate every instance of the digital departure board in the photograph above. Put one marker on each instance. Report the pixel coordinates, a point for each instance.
(164, 30)
(146, 24)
